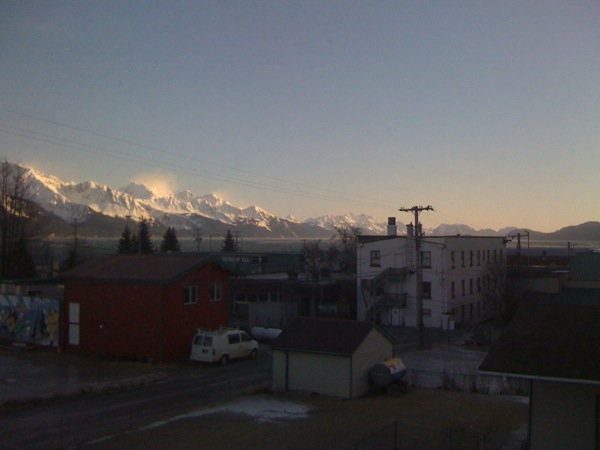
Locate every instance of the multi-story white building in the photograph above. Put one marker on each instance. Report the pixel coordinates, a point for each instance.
(461, 277)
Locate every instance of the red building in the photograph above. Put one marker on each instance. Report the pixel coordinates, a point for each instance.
(144, 307)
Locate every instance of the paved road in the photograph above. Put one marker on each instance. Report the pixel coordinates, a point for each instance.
(74, 421)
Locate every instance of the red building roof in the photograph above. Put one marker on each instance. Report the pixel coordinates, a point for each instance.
(143, 269)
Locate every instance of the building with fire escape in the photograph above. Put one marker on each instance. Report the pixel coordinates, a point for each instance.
(462, 278)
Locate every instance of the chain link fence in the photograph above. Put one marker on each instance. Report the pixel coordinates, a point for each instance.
(400, 435)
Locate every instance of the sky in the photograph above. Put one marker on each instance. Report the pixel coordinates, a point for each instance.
(487, 111)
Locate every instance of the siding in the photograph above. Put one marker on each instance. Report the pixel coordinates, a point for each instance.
(127, 320)
(336, 376)
(322, 374)
(375, 348)
(278, 371)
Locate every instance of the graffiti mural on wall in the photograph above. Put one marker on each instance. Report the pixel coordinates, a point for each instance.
(31, 320)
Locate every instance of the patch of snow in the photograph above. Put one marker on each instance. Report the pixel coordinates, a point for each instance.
(259, 408)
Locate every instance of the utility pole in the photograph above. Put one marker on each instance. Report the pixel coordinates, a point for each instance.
(237, 236)
(198, 240)
(75, 235)
(418, 271)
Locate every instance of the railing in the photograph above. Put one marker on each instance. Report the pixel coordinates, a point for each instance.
(404, 434)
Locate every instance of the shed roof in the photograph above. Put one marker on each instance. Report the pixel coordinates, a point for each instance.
(144, 268)
(555, 342)
(329, 336)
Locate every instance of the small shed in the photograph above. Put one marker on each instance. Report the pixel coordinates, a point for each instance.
(144, 307)
(328, 357)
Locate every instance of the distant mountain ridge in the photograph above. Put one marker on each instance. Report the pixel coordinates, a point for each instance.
(103, 211)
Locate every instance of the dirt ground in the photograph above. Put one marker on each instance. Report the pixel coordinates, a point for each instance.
(426, 418)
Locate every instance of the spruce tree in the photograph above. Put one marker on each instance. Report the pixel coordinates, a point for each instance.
(229, 244)
(125, 243)
(145, 238)
(170, 243)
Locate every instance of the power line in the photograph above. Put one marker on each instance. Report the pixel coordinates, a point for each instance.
(350, 198)
(43, 137)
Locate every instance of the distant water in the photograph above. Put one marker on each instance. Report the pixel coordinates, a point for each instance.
(87, 248)
(57, 249)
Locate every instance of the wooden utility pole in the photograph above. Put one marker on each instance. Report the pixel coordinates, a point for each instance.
(198, 240)
(418, 271)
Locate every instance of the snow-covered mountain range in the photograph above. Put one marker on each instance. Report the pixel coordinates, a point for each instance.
(95, 207)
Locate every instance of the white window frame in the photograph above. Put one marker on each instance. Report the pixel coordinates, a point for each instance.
(216, 292)
(190, 295)
(375, 258)
(426, 259)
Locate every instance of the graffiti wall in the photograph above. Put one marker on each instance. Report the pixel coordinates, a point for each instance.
(30, 320)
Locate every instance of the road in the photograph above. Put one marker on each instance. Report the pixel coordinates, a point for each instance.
(72, 422)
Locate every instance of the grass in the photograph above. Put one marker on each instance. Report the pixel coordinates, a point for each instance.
(423, 415)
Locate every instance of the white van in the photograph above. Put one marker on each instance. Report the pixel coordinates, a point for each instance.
(223, 345)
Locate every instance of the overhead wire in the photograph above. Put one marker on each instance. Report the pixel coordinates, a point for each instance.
(337, 195)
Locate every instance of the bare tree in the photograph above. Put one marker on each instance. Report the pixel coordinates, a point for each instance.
(15, 221)
(496, 290)
(347, 235)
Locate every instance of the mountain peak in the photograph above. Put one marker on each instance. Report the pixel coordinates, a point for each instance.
(137, 190)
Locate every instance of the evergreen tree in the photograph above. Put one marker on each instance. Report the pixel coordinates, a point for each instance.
(125, 243)
(170, 243)
(145, 237)
(135, 244)
(229, 244)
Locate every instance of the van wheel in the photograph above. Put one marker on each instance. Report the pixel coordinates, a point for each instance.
(224, 360)
(253, 354)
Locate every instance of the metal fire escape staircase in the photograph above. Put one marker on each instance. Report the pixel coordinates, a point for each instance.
(376, 289)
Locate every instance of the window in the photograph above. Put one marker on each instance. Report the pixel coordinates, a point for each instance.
(452, 291)
(190, 295)
(478, 257)
(375, 258)
(234, 338)
(462, 258)
(426, 260)
(245, 337)
(452, 262)
(426, 288)
(470, 286)
(462, 282)
(478, 284)
(215, 292)
(471, 258)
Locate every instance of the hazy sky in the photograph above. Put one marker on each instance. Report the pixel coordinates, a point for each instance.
(487, 110)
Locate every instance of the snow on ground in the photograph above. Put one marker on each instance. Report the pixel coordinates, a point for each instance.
(260, 408)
